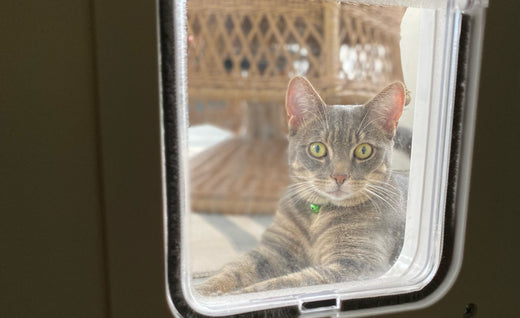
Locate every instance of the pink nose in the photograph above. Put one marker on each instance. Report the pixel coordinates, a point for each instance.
(340, 178)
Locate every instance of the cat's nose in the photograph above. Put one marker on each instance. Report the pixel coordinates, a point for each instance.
(340, 178)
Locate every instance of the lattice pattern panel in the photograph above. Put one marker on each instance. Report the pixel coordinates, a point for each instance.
(250, 49)
(369, 44)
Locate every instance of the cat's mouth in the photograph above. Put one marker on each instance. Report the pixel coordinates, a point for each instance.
(343, 195)
(338, 194)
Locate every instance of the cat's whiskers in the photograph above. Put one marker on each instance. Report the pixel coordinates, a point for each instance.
(386, 188)
(300, 185)
(307, 181)
(393, 205)
(383, 192)
(373, 194)
(386, 192)
(301, 190)
(386, 184)
(390, 191)
(374, 203)
(306, 197)
(308, 190)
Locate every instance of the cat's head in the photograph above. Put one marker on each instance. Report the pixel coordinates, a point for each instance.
(340, 154)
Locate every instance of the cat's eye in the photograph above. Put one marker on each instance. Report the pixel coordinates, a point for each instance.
(250, 89)
(318, 150)
(363, 151)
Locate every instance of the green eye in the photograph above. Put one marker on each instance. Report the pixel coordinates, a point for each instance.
(318, 150)
(363, 151)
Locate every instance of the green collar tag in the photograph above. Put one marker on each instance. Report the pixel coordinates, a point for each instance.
(315, 208)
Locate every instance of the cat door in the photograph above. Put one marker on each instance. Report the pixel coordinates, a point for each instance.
(315, 157)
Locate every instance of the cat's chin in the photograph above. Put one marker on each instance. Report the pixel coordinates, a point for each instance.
(335, 197)
(339, 195)
(342, 198)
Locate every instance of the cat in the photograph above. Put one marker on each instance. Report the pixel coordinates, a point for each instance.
(343, 216)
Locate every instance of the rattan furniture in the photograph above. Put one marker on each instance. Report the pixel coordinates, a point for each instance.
(241, 55)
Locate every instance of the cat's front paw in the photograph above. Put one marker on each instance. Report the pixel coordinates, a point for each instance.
(209, 290)
(216, 286)
(255, 288)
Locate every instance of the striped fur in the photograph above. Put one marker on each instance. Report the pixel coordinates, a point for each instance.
(358, 232)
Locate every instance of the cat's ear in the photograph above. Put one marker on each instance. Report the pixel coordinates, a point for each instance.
(301, 102)
(387, 106)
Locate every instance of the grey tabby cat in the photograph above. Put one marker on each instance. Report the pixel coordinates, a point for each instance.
(343, 216)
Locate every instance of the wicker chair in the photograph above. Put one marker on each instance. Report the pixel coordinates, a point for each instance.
(241, 55)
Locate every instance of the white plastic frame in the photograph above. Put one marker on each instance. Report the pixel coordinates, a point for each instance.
(434, 100)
